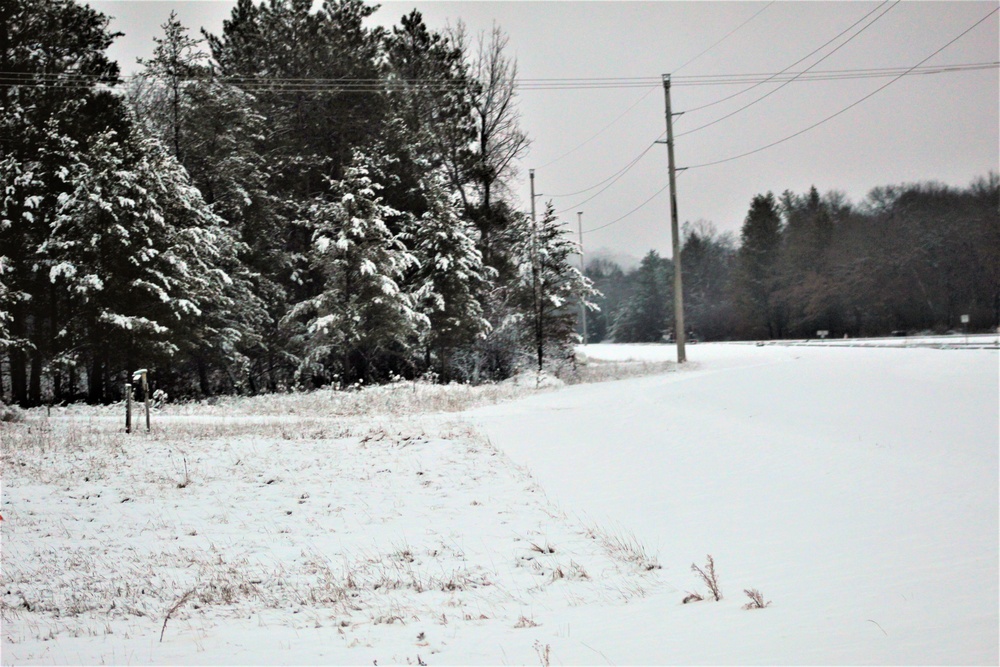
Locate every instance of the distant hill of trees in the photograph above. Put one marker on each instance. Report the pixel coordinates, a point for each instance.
(910, 257)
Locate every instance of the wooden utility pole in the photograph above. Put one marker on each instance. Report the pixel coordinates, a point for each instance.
(583, 306)
(675, 237)
(536, 297)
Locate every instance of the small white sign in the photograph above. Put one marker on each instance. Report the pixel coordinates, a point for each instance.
(822, 333)
(965, 319)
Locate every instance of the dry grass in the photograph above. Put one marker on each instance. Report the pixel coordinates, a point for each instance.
(398, 398)
(625, 546)
(85, 560)
(756, 599)
(709, 577)
(593, 370)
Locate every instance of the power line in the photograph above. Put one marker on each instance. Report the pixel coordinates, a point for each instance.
(850, 106)
(909, 71)
(623, 114)
(619, 219)
(599, 133)
(320, 85)
(617, 178)
(724, 37)
(772, 92)
(807, 56)
(620, 172)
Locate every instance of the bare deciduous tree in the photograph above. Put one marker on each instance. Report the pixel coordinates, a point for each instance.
(499, 138)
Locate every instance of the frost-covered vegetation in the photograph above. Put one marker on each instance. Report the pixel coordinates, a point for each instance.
(337, 513)
(304, 201)
(235, 221)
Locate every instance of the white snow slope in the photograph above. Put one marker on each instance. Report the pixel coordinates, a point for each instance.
(855, 488)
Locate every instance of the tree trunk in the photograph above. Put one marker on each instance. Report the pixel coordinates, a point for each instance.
(203, 385)
(18, 378)
(35, 384)
(95, 381)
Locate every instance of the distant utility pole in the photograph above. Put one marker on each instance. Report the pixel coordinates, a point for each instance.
(583, 306)
(536, 297)
(675, 236)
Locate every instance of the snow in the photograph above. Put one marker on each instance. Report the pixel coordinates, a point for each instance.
(855, 487)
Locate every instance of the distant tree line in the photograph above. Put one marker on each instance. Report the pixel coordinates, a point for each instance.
(298, 201)
(908, 258)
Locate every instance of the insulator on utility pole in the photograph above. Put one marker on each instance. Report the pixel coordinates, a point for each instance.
(679, 333)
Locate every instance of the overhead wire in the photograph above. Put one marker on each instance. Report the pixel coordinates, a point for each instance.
(617, 177)
(849, 106)
(619, 219)
(602, 130)
(318, 85)
(724, 37)
(795, 78)
(906, 72)
(620, 172)
(599, 133)
(807, 56)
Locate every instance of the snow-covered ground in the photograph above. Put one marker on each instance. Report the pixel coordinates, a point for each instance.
(855, 487)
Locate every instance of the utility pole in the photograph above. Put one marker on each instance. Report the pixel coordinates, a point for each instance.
(536, 297)
(679, 333)
(583, 306)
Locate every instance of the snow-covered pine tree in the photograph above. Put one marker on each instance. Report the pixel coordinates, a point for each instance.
(145, 261)
(54, 54)
(451, 280)
(217, 342)
(362, 325)
(550, 287)
(177, 61)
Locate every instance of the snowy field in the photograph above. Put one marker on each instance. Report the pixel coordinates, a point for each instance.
(856, 488)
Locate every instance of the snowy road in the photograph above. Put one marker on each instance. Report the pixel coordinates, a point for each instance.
(856, 488)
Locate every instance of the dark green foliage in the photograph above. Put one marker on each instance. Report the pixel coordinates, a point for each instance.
(757, 260)
(647, 313)
(612, 286)
(707, 259)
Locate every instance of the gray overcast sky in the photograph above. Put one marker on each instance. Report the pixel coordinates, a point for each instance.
(940, 127)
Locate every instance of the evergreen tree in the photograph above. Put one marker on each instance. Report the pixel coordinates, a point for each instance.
(648, 313)
(176, 63)
(805, 284)
(145, 261)
(707, 260)
(55, 49)
(612, 285)
(757, 268)
(451, 280)
(429, 93)
(362, 324)
(314, 130)
(550, 286)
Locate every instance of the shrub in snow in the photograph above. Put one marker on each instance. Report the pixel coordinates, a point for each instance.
(709, 577)
(11, 414)
(756, 599)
